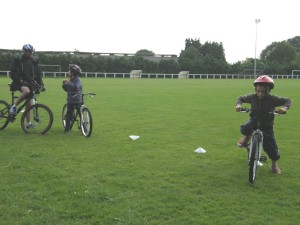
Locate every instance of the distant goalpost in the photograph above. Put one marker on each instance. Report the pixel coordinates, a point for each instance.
(51, 69)
(295, 72)
(251, 72)
(183, 74)
(136, 73)
(58, 67)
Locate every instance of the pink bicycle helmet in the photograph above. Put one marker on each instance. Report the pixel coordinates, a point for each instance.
(264, 80)
(75, 69)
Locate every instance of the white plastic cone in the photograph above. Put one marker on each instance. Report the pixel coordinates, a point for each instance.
(134, 137)
(200, 150)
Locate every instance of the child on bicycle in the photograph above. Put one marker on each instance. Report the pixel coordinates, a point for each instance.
(262, 103)
(73, 87)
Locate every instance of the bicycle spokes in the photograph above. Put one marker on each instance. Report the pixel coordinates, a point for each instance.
(4, 114)
(254, 155)
(37, 119)
(86, 121)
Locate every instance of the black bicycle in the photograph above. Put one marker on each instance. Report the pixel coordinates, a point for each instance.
(40, 116)
(83, 116)
(255, 148)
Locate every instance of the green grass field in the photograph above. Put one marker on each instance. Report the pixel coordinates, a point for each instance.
(67, 179)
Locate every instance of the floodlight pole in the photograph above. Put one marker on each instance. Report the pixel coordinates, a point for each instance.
(257, 21)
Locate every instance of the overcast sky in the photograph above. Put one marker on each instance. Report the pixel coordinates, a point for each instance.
(161, 26)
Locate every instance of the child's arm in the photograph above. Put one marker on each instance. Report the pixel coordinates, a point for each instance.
(284, 103)
(242, 99)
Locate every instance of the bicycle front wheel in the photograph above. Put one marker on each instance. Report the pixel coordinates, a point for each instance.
(86, 121)
(40, 118)
(4, 114)
(63, 115)
(253, 158)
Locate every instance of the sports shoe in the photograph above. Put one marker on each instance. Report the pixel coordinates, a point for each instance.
(243, 141)
(30, 126)
(13, 110)
(275, 168)
(66, 131)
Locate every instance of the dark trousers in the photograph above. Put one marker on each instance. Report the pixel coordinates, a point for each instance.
(69, 115)
(269, 141)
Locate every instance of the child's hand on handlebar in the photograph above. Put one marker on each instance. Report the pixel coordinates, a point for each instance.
(238, 108)
(43, 89)
(282, 110)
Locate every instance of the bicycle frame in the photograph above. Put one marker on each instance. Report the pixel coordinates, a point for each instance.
(20, 108)
(260, 136)
(76, 115)
(254, 153)
(37, 118)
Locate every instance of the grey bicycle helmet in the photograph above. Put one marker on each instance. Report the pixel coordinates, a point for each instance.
(28, 47)
(75, 69)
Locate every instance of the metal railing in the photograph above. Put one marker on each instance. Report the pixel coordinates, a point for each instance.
(157, 75)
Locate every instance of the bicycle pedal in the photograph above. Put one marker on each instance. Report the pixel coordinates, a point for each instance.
(263, 159)
(11, 119)
(259, 163)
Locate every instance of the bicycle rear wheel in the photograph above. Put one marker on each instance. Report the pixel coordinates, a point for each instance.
(253, 158)
(64, 117)
(4, 114)
(86, 121)
(41, 119)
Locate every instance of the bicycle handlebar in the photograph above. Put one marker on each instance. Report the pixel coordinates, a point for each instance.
(274, 112)
(90, 94)
(37, 86)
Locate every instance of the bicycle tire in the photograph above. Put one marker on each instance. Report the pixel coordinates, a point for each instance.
(41, 118)
(63, 115)
(253, 158)
(86, 121)
(4, 114)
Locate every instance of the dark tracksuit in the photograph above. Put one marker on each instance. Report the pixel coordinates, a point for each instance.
(74, 98)
(260, 109)
(24, 70)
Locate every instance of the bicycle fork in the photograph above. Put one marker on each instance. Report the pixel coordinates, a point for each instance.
(258, 135)
(35, 110)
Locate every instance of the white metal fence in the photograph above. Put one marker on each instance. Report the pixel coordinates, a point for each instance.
(157, 76)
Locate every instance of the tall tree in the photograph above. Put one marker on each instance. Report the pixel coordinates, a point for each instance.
(214, 49)
(207, 58)
(144, 52)
(189, 42)
(279, 52)
(295, 42)
(191, 60)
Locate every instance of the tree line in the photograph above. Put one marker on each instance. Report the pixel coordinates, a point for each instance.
(208, 58)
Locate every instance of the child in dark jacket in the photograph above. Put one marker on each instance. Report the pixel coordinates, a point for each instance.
(262, 103)
(73, 87)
